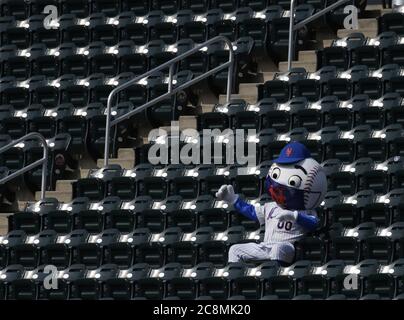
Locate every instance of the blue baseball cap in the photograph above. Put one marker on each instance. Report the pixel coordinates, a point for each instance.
(293, 152)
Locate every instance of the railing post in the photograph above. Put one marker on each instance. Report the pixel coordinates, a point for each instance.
(44, 166)
(291, 34)
(230, 77)
(108, 126)
(170, 78)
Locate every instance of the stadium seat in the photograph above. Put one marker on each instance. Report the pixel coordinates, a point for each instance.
(318, 283)
(89, 287)
(26, 288)
(283, 285)
(39, 34)
(13, 64)
(67, 276)
(13, 33)
(185, 286)
(197, 6)
(249, 286)
(362, 270)
(313, 249)
(217, 286)
(347, 247)
(151, 253)
(391, 22)
(79, 8)
(28, 254)
(91, 253)
(18, 9)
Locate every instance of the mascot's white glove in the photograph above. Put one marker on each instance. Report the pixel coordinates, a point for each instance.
(226, 193)
(286, 215)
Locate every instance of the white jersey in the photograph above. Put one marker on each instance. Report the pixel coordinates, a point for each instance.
(277, 231)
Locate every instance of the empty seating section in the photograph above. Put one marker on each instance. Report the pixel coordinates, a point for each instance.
(156, 231)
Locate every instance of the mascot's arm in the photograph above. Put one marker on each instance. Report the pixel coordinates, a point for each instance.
(307, 221)
(247, 210)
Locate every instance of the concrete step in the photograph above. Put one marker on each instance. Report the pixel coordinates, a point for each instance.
(370, 23)
(268, 75)
(64, 185)
(188, 122)
(248, 89)
(21, 205)
(308, 56)
(250, 97)
(126, 153)
(206, 107)
(371, 33)
(384, 11)
(309, 66)
(84, 173)
(372, 7)
(265, 64)
(62, 196)
(327, 43)
(124, 163)
(4, 223)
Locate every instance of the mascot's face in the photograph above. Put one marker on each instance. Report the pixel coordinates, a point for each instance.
(297, 186)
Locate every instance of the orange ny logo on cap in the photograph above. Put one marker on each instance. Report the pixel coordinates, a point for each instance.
(289, 152)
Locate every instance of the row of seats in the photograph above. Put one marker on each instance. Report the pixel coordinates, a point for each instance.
(71, 97)
(328, 144)
(356, 49)
(83, 8)
(302, 98)
(84, 127)
(344, 175)
(189, 214)
(154, 26)
(347, 179)
(356, 81)
(299, 112)
(348, 211)
(38, 62)
(235, 281)
(325, 144)
(352, 245)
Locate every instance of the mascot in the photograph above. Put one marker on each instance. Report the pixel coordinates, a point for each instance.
(297, 185)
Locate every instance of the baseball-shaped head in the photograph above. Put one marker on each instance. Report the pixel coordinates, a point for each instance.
(296, 181)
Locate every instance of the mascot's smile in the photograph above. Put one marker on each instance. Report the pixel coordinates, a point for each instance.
(285, 196)
(278, 195)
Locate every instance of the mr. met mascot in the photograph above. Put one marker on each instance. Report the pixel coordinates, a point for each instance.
(297, 185)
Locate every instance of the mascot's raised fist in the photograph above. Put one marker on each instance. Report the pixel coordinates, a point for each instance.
(226, 193)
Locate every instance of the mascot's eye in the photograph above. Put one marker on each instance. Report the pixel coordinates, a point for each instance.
(295, 181)
(276, 172)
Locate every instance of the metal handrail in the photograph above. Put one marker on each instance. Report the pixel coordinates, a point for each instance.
(43, 161)
(293, 27)
(171, 91)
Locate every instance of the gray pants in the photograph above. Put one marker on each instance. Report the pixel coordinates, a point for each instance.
(284, 251)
